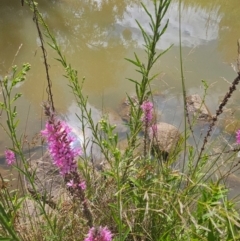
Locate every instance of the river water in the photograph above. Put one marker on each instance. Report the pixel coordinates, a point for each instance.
(96, 36)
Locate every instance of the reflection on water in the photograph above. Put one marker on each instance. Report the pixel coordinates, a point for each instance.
(96, 36)
(198, 25)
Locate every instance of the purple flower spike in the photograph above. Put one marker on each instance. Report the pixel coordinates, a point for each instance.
(147, 108)
(10, 157)
(60, 142)
(238, 136)
(99, 234)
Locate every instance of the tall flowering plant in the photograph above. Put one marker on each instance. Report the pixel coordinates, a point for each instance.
(147, 108)
(60, 145)
(238, 136)
(10, 157)
(147, 117)
(57, 134)
(99, 234)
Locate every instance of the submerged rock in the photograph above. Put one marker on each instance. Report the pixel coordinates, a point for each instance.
(125, 107)
(115, 119)
(197, 108)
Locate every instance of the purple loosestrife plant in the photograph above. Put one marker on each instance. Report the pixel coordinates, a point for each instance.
(81, 185)
(59, 140)
(147, 108)
(10, 157)
(99, 234)
(60, 145)
(153, 130)
(238, 136)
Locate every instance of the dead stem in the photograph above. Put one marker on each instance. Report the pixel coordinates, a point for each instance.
(49, 87)
(219, 111)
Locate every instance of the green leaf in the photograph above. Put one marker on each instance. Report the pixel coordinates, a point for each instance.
(134, 182)
(15, 124)
(138, 60)
(61, 63)
(53, 46)
(162, 53)
(164, 29)
(134, 62)
(211, 236)
(134, 81)
(9, 126)
(6, 223)
(146, 37)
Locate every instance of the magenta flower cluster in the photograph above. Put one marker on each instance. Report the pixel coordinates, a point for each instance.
(81, 185)
(147, 108)
(60, 142)
(10, 157)
(238, 136)
(99, 234)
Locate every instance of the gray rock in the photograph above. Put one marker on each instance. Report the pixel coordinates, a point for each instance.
(197, 108)
(124, 109)
(166, 137)
(30, 212)
(47, 180)
(115, 119)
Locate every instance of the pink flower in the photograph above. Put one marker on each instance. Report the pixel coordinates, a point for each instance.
(60, 142)
(10, 157)
(99, 234)
(154, 130)
(70, 183)
(147, 108)
(82, 185)
(238, 136)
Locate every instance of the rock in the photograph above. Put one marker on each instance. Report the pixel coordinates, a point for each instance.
(123, 144)
(124, 109)
(115, 119)
(47, 180)
(30, 211)
(197, 108)
(233, 181)
(166, 137)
